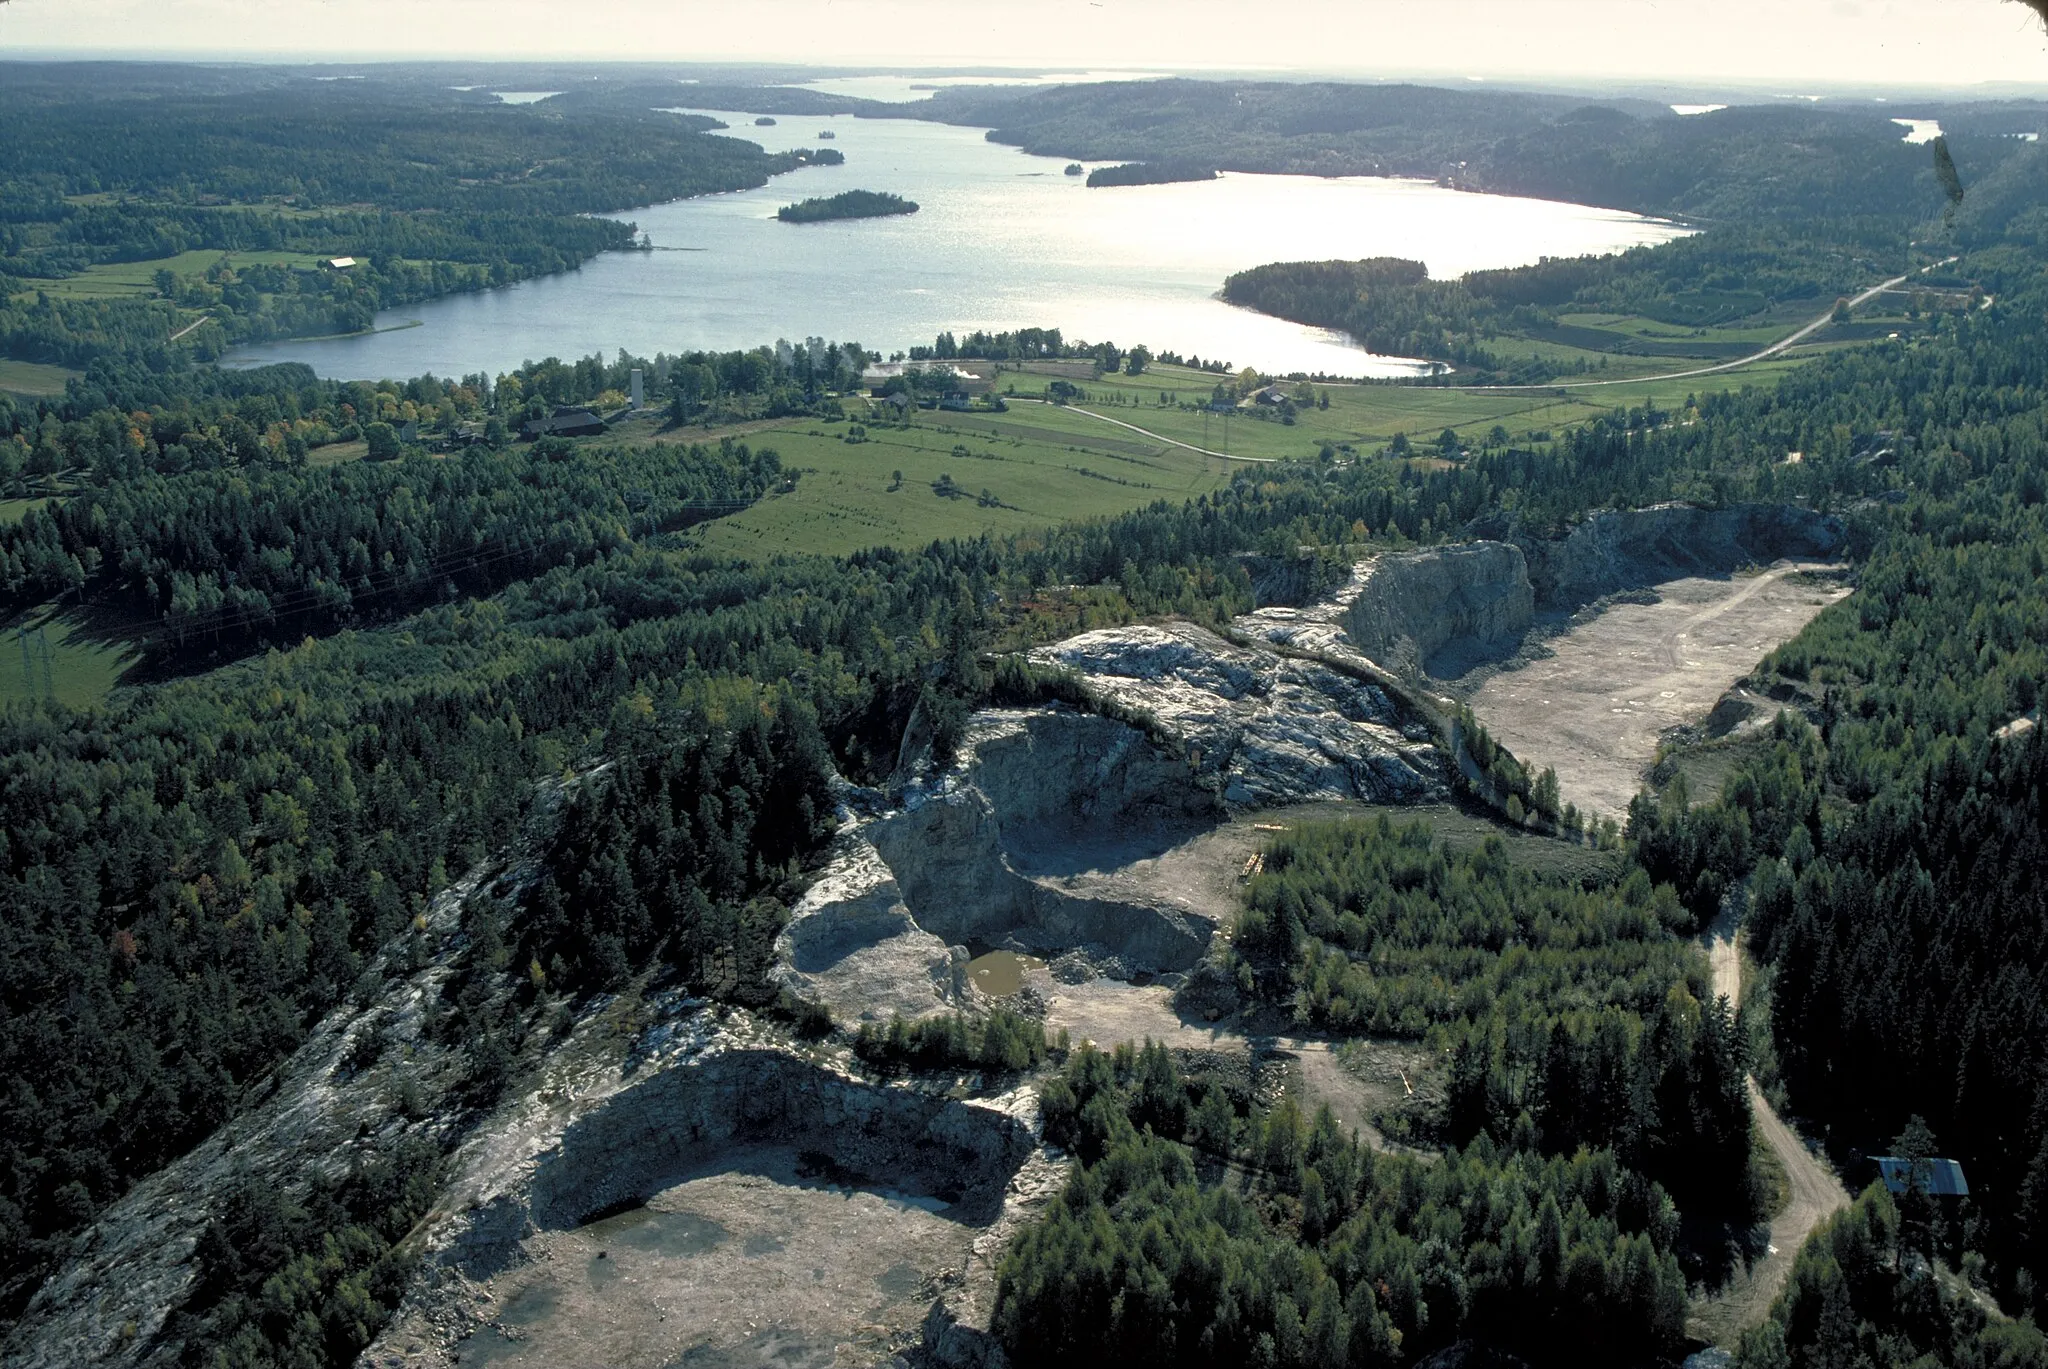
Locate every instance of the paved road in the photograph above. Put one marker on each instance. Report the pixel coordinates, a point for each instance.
(1815, 1191)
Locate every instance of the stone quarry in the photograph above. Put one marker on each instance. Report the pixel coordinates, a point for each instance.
(679, 1183)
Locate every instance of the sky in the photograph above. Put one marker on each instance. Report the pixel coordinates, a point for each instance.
(1809, 43)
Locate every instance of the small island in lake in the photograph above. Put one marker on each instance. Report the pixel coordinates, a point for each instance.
(847, 204)
(764, 122)
(827, 134)
(1073, 168)
(1151, 173)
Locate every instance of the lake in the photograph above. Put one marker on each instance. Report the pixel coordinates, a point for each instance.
(1003, 240)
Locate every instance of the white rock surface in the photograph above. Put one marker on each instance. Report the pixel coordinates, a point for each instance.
(1271, 728)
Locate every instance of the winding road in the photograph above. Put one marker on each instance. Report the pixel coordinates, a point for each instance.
(1789, 340)
(1815, 1191)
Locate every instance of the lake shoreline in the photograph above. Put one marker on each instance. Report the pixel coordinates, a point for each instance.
(1002, 240)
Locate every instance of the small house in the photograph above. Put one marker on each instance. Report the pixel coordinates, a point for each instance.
(1941, 1178)
(956, 401)
(340, 263)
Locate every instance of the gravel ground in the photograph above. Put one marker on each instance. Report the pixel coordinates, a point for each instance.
(775, 1260)
(1596, 707)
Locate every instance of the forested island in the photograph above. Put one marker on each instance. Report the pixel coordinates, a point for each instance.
(847, 204)
(1150, 173)
(365, 679)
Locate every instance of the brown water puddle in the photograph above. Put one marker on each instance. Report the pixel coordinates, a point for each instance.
(1000, 974)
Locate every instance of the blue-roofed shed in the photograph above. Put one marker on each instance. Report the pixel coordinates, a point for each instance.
(1942, 1178)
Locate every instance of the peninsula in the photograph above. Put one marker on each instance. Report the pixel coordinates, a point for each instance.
(1150, 173)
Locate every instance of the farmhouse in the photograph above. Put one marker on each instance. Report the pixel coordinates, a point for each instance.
(566, 421)
(876, 377)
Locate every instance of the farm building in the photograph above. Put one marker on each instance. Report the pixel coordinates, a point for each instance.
(567, 421)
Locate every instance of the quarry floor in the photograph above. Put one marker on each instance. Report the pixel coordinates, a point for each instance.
(772, 1260)
(1595, 706)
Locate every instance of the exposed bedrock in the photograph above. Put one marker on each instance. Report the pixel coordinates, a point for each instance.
(1264, 728)
(1446, 609)
(1047, 832)
(683, 1120)
(1612, 552)
(1409, 606)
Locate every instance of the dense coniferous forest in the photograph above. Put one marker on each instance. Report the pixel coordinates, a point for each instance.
(1190, 1235)
(1574, 1018)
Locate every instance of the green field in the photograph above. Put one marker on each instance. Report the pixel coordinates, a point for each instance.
(1365, 416)
(336, 453)
(115, 279)
(61, 660)
(1048, 463)
(14, 510)
(843, 501)
(32, 378)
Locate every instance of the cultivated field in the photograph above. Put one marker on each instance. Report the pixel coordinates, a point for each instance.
(32, 378)
(115, 279)
(1039, 467)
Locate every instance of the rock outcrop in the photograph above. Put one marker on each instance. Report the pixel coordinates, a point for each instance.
(1259, 726)
(852, 946)
(1612, 552)
(1025, 841)
(1409, 606)
(110, 1304)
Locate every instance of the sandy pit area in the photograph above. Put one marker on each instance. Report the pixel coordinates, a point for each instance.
(1596, 707)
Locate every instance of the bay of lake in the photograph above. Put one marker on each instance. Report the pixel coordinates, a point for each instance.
(1002, 240)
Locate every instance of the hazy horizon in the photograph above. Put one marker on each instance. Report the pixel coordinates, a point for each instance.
(1860, 43)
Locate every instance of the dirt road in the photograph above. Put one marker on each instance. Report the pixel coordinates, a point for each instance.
(1815, 1191)
(1147, 432)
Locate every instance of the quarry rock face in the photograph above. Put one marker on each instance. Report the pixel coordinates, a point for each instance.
(1408, 606)
(1630, 549)
(852, 946)
(1021, 841)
